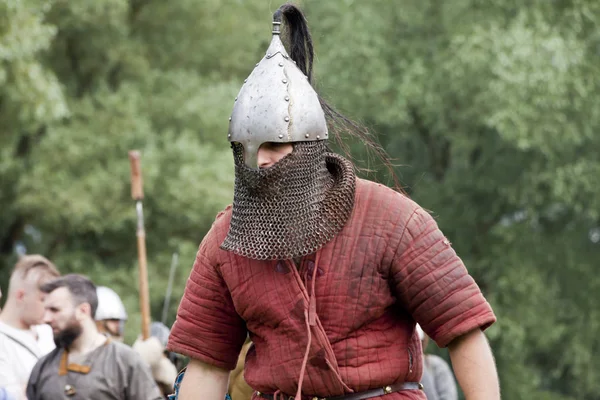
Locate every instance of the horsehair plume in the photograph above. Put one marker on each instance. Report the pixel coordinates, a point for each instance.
(301, 51)
(300, 41)
(340, 125)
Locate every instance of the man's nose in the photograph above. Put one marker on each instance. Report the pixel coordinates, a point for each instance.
(264, 160)
(47, 317)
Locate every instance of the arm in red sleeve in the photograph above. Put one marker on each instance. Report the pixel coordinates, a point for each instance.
(432, 283)
(208, 327)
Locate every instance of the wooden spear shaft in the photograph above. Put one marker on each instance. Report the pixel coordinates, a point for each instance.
(137, 194)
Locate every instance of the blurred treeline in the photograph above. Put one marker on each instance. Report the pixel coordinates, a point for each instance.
(490, 108)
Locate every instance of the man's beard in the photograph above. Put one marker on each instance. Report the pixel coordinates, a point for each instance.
(66, 337)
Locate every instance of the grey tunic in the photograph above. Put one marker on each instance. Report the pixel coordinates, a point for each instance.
(116, 372)
(438, 379)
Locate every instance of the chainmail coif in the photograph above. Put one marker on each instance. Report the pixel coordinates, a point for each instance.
(292, 208)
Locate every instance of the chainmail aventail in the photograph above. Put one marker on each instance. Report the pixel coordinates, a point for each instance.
(292, 208)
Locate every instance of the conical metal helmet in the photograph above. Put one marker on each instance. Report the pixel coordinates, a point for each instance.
(276, 104)
(298, 204)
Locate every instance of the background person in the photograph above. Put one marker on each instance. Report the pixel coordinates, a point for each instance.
(23, 340)
(162, 362)
(438, 379)
(4, 395)
(238, 387)
(111, 315)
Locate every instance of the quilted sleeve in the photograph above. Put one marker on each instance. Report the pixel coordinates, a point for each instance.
(432, 283)
(207, 327)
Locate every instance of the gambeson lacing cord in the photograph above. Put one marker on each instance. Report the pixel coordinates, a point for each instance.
(310, 319)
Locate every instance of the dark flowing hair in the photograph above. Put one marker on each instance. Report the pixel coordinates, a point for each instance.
(300, 47)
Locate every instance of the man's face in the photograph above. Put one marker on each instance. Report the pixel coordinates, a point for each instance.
(112, 327)
(32, 300)
(61, 315)
(270, 152)
(32, 310)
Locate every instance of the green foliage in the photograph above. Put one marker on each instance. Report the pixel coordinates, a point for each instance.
(84, 83)
(490, 108)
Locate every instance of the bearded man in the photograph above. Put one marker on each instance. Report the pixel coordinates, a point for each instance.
(85, 364)
(327, 273)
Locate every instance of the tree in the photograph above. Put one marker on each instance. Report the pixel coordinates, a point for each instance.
(489, 108)
(84, 83)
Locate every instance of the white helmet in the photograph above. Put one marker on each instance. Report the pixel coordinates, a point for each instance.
(110, 305)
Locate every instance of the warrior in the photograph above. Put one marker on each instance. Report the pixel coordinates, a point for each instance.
(326, 272)
(163, 364)
(438, 379)
(111, 315)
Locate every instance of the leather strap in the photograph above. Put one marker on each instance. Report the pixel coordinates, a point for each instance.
(17, 341)
(354, 396)
(65, 366)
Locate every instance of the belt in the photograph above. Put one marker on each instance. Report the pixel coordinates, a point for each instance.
(367, 394)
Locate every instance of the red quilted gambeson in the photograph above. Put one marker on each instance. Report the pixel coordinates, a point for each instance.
(389, 267)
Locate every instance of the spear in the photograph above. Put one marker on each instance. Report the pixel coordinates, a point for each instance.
(137, 194)
(174, 262)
